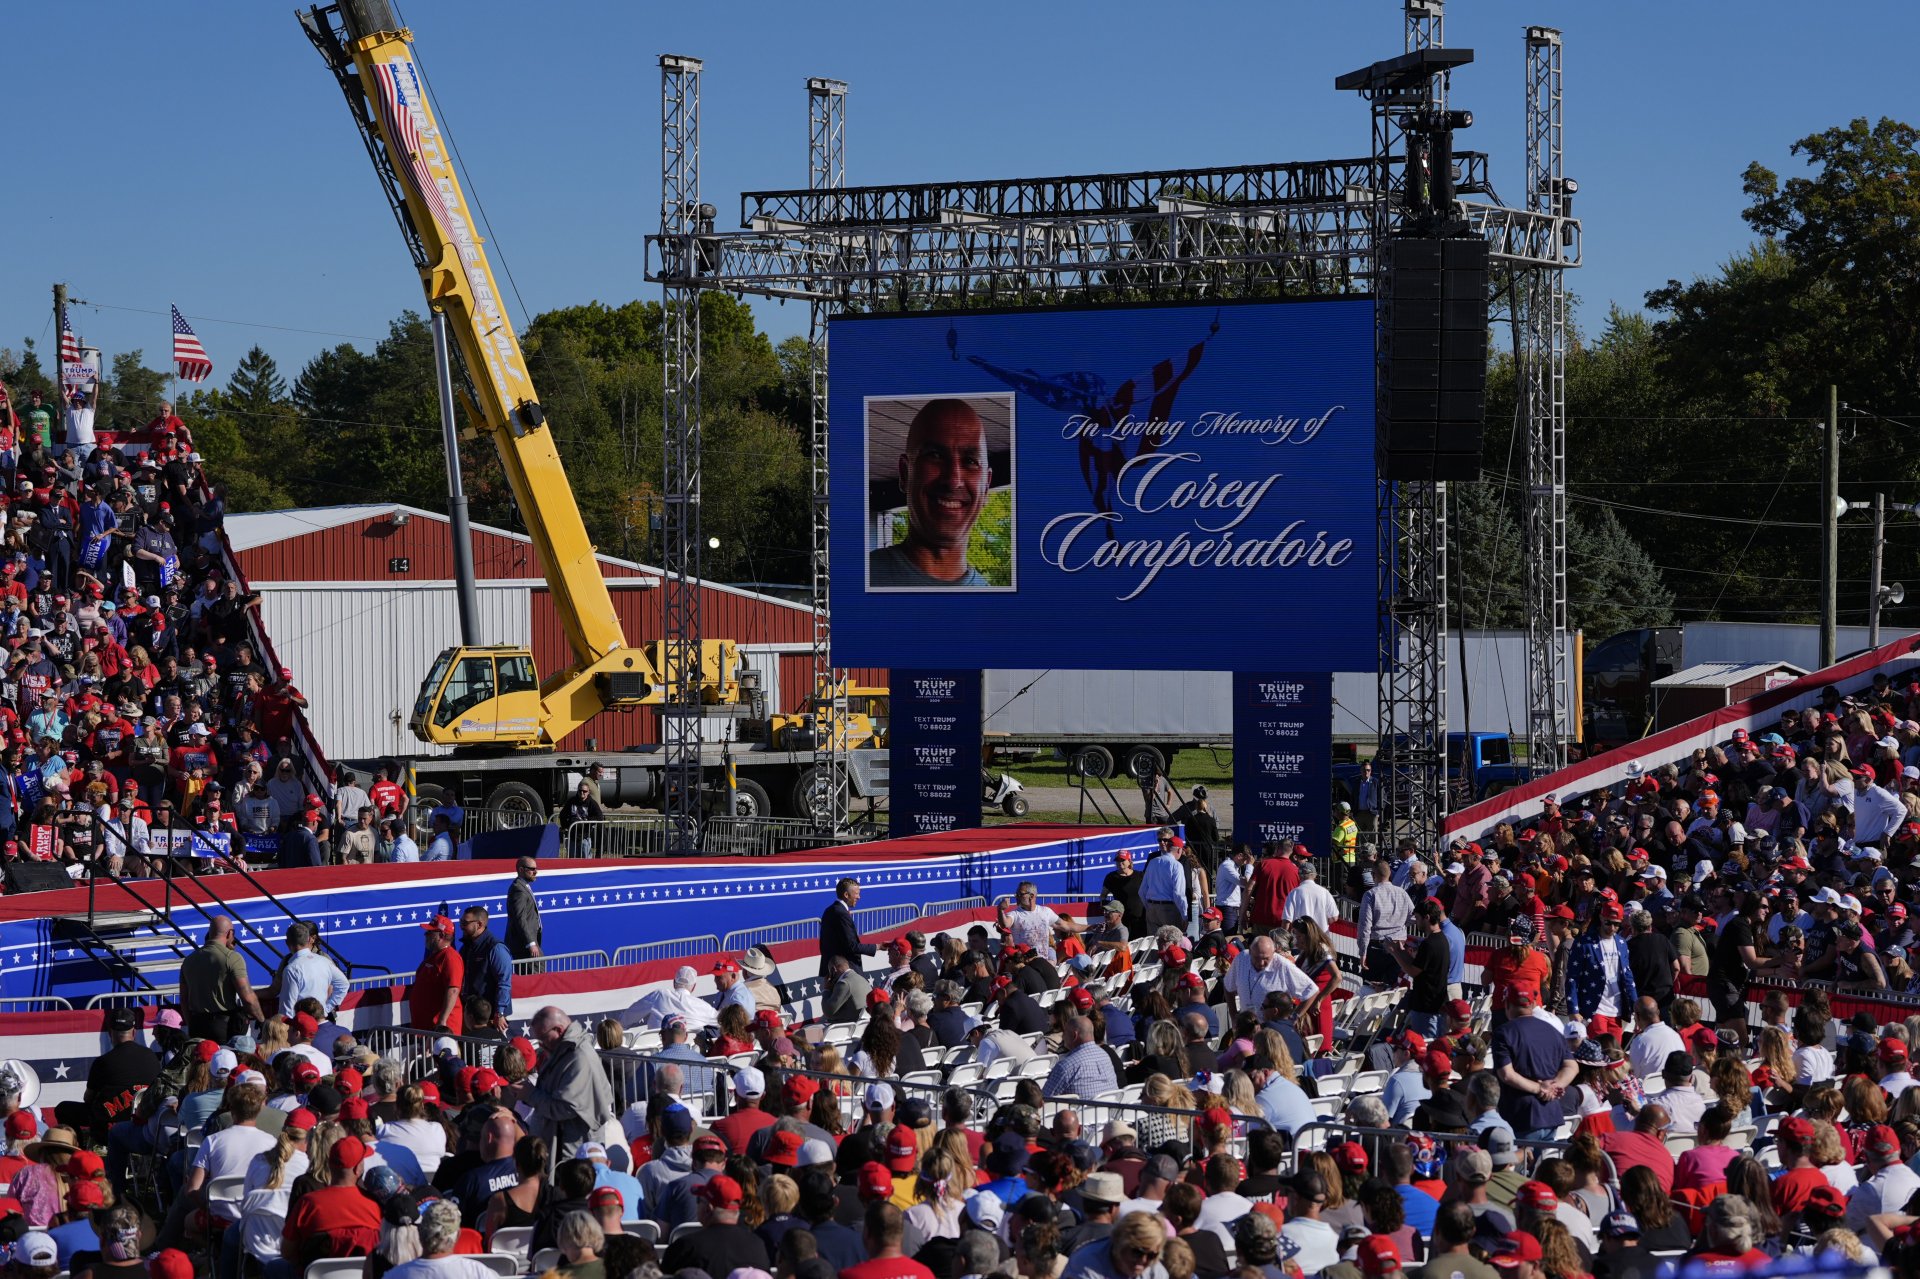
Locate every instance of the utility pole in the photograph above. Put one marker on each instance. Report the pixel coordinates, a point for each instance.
(1873, 577)
(465, 591)
(59, 330)
(1830, 537)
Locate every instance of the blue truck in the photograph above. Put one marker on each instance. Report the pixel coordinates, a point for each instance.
(1478, 765)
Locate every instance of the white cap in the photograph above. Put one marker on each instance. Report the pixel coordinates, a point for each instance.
(814, 1151)
(250, 1077)
(1455, 868)
(223, 1064)
(1826, 897)
(879, 1096)
(1910, 771)
(986, 1209)
(685, 977)
(1870, 854)
(1891, 742)
(1654, 872)
(1850, 902)
(748, 1082)
(1737, 833)
(447, 1044)
(591, 1150)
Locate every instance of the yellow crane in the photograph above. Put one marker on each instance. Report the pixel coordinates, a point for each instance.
(490, 696)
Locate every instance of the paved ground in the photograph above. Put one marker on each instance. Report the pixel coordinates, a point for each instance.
(1064, 802)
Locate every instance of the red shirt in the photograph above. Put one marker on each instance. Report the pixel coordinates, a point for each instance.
(1792, 1189)
(1503, 972)
(887, 1268)
(334, 1221)
(1641, 1150)
(387, 798)
(1273, 879)
(737, 1127)
(438, 973)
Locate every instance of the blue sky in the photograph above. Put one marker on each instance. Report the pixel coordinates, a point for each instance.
(201, 155)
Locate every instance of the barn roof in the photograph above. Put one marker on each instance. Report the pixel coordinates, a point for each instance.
(251, 530)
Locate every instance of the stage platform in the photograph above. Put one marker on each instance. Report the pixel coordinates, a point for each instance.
(373, 914)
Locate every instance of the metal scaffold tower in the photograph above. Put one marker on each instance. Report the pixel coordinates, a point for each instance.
(1541, 362)
(1237, 231)
(682, 218)
(826, 172)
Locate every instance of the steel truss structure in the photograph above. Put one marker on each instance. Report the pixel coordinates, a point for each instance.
(1540, 358)
(682, 218)
(1297, 229)
(826, 174)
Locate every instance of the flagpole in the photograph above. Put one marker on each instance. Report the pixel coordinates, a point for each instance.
(173, 381)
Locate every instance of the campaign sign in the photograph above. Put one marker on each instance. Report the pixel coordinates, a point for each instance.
(1078, 488)
(933, 751)
(187, 842)
(1283, 759)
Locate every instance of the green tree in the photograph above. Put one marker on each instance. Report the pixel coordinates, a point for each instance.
(256, 386)
(131, 393)
(1613, 585)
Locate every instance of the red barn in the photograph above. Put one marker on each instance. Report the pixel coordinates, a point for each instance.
(360, 599)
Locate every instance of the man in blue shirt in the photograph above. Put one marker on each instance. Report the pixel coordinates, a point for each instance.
(440, 846)
(488, 966)
(308, 974)
(605, 1174)
(1534, 1067)
(1283, 1103)
(1456, 957)
(1163, 889)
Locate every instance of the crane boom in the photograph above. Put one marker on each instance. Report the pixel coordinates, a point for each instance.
(372, 57)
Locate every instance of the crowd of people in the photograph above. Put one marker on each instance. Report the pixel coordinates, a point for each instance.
(1172, 1082)
(138, 721)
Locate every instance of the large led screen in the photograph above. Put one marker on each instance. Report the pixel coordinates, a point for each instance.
(1165, 487)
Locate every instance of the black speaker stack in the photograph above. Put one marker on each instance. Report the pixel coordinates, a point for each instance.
(1434, 402)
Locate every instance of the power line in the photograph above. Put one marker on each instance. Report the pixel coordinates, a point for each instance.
(214, 319)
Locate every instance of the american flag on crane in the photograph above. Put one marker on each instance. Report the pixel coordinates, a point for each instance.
(188, 355)
(403, 102)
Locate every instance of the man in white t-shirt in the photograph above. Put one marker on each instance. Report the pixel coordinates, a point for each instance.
(1653, 1040)
(1260, 970)
(1028, 923)
(229, 1152)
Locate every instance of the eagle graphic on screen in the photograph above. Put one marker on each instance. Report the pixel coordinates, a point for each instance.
(1103, 452)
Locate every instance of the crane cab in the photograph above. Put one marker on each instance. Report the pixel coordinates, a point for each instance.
(480, 696)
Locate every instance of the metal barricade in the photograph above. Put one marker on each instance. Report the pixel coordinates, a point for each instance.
(873, 919)
(768, 934)
(625, 835)
(763, 836)
(134, 998)
(413, 1050)
(473, 821)
(40, 1003)
(671, 948)
(573, 961)
(379, 981)
(932, 909)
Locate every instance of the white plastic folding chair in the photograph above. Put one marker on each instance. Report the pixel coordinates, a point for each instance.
(683, 1229)
(500, 1263)
(969, 1073)
(544, 1260)
(999, 1068)
(513, 1241)
(1367, 1081)
(643, 1228)
(227, 1191)
(336, 1268)
(1036, 1068)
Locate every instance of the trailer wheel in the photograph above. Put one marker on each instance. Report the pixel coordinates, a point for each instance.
(1144, 762)
(1093, 761)
(517, 797)
(813, 794)
(750, 799)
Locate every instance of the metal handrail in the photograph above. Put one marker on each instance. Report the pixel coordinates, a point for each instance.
(570, 962)
(132, 998)
(630, 835)
(36, 1003)
(669, 948)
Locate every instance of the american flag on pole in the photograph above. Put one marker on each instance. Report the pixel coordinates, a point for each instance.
(188, 355)
(69, 344)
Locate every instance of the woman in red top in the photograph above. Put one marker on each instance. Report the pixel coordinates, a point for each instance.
(736, 1033)
(1313, 953)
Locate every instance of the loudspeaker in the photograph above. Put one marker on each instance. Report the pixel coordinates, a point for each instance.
(35, 877)
(1434, 395)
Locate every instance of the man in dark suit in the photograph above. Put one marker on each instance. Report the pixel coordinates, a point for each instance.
(839, 935)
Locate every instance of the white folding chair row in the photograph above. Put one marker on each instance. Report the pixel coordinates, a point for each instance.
(644, 1228)
(967, 1074)
(1037, 1067)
